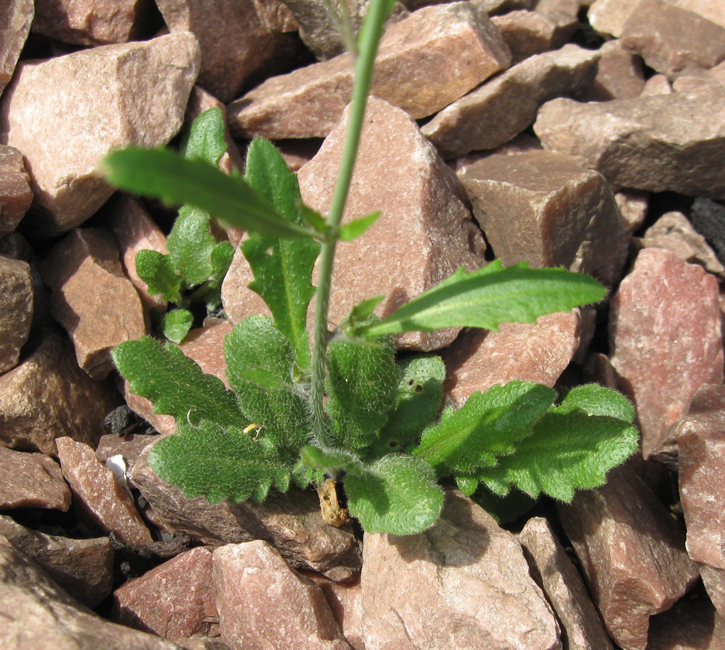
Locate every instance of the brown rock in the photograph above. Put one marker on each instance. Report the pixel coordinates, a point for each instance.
(276, 16)
(16, 310)
(549, 210)
(491, 7)
(633, 206)
(424, 235)
(500, 109)
(205, 345)
(537, 352)
(31, 481)
(657, 143)
(714, 581)
(464, 583)
(424, 63)
(89, 22)
(15, 193)
(556, 575)
(92, 298)
(197, 642)
(671, 40)
(15, 19)
(128, 94)
(164, 424)
(666, 338)
(345, 601)
(236, 44)
(632, 553)
(175, 600)
(83, 567)
(38, 614)
(619, 76)
(263, 603)
(656, 85)
(99, 494)
(47, 396)
(532, 32)
(291, 522)
(609, 16)
(129, 447)
(712, 10)
(691, 624)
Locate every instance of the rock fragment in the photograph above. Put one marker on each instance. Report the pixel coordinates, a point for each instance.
(92, 298)
(666, 338)
(619, 75)
(712, 10)
(16, 17)
(708, 218)
(205, 345)
(66, 113)
(609, 16)
(99, 494)
(657, 84)
(714, 581)
(503, 107)
(459, 49)
(532, 32)
(16, 310)
(633, 206)
(15, 193)
(345, 601)
(691, 624)
(31, 480)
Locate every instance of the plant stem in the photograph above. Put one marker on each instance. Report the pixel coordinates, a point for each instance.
(368, 46)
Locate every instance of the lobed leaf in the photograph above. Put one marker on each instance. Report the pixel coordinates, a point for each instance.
(157, 271)
(206, 137)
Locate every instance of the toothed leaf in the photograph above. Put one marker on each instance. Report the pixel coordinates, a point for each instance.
(206, 137)
(158, 272)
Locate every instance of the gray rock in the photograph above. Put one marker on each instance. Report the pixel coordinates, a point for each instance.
(31, 480)
(16, 309)
(15, 193)
(16, 17)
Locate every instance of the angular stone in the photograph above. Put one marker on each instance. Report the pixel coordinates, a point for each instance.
(632, 553)
(99, 494)
(345, 601)
(424, 63)
(609, 16)
(15, 193)
(657, 84)
(671, 40)
(291, 522)
(714, 581)
(537, 352)
(15, 19)
(31, 480)
(16, 310)
(92, 298)
(174, 600)
(263, 603)
(464, 583)
(619, 76)
(205, 345)
(500, 109)
(691, 624)
(532, 32)
(48, 396)
(236, 44)
(276, 16)
(555, 573)
(657, 143)
(665, 337)
(425, 234)
(491, 7)
(712, 10)
(128, 94)
(164, 424)
(708, 218)
(90, 22)
(197, 642)
(633, 206)
(83, 567)
(550, 210)
(37, 613)
(128, 446)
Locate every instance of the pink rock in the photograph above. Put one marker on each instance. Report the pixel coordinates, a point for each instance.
(500, 109)
(128, 94)
(99, 494)
(690, 625)
(15, 193)
(263, 603)
(464, 583)
(609, 16)
(16, 309)
(550, 210)
(129, 447)
(174, 600)
(537, 352)
(92, 298)
(31, 480)
(424, 235)
(205, 345)
(714, 581)
(47, 396)
(666, 338)
(619, 76)
(424, 63)
(15, 19)
(164, 424)
(632, 553)
(532, 32)
(657, 84)
(712, 10)
(345, 601)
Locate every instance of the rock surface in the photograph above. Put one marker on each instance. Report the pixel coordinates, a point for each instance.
(16, 310)
(619, 75)
(16, 17)
(532, 32)
(15, 193)
(31, 480)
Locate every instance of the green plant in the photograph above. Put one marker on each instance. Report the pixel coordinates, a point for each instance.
(351, 410)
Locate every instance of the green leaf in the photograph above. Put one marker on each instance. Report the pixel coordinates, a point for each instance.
(176, 324)
(313, 218)
(206, 137)
(221, 258)
(158, 272)
(397, 495)
(219, 463)
(168, 176)
(357, 227)
(190, 244)
(260, 369)
(282, 269)
(176, 384)
(598, 400)
(361, 389)
(490, 296)
(334, 461)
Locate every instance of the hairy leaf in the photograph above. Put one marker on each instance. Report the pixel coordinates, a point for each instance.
(176, 324)
(260, 369)
(490, 296)
(219, 463)
(206, 137)
(176, 384)
(331, 460)
(190, 244)
(397, 495)
(157, 271)
(221, 258)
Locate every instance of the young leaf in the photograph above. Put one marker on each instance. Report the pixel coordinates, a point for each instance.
(397, 495)
(168, 176)
(190, 244)
(356, 227)
(206, 137)
(282, 268)
(221, 258)
(490, 296)
(176, 384)
(333, 461)
(176, 324)
(157, 271)
(219, 463)
(487, 425)
(361, 388)
(260, 370)
(598, 400)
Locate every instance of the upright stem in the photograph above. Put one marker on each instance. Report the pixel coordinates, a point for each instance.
(369, 37)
